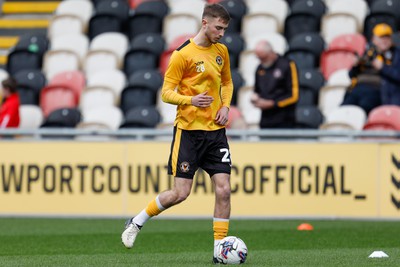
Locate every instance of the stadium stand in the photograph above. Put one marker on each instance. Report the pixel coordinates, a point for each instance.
(31, 117)
(308, 117)
(114, 79)
(144, 53)
(237, 9)
(142, 117)
(147, 18)
(347, 117)
(305, 50)
(75, 80)
(322, 37)
(277, 9)
(63, 118)
(106, 51)
(385, 117)
(236, 45)
(30, 83)
(141, 90)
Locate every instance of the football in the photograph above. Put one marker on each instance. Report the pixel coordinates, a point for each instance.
(231, 250)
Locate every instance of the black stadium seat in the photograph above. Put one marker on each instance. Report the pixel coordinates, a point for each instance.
(144, 53)
(64, 117)
(237, 9)
(141, 90)
(236, 45)
(147, 18)
(141, 117)
(30, 83)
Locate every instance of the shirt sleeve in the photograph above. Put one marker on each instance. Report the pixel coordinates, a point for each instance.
(292, 87)
(226, 82)
(172, 78)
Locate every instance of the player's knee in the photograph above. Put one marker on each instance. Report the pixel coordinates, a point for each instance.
(223, 191)
(181, 196)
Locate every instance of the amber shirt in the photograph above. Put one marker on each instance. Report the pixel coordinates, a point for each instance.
(193, 70)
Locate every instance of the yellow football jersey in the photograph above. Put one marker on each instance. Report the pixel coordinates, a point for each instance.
(193, 70)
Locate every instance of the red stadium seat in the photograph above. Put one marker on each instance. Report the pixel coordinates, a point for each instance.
(386, 117)
(74, 80)
(336, 59)
(177, 42)
(54, 97)
(354, 42)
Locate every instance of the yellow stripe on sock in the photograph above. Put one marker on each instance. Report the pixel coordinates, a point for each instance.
(152, 208)
(8, 41)
(220, 229)
(29, 7)
(18, 23)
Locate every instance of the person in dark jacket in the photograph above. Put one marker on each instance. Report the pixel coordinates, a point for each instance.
(9, 111)
(276, 89)
(376, 75)
(387, 63)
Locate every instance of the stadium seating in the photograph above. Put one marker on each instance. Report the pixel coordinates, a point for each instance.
(345, 117)
(166, 54)
(54, 97)
(308, 117)
(354, 42)
(114, 79)
(30, 83)
(247, 67)
(334, 24)
(108, 117)
(236, 45)
(31, 117)
(27, 53)
(141, 90)
(258, 23)
(305, 50)
(147, 18)
(385, 117)
(251, 114)
(81, 9)
(336, 59)
(75, 80)
(106, 51)
(167, 111)
(238, 82)
(179, 24)
(144, 53)
(141, 117)
(357, 8)
(65, 24)
(63, 118)
(278, 9)
(93, 97)
(237, 9)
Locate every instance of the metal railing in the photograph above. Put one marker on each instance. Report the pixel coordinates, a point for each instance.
(242, 135)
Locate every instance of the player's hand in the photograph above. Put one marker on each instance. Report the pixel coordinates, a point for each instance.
(202, 100)
(222, 116)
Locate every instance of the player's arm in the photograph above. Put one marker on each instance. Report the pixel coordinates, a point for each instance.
(226, 92)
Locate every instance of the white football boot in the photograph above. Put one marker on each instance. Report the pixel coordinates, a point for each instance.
(129, 235)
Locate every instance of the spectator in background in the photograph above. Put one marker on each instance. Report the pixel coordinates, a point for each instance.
(9, 111)
(276, 89)
(376, 75)
(387, 63)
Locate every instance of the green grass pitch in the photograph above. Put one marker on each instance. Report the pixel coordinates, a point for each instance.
(96, 242)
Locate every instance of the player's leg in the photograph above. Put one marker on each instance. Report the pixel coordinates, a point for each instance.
(182, 165)
(222, 208)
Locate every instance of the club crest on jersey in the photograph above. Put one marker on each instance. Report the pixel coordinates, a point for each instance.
(219, 60)
(184, 166)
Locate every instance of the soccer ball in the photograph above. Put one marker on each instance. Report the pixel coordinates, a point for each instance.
(231, 250)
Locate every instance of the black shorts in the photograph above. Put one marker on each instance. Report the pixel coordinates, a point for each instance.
(190, 150)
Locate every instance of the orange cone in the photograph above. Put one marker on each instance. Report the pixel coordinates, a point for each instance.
(305, 227)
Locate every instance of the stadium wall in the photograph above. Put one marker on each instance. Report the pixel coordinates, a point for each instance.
(283, 179)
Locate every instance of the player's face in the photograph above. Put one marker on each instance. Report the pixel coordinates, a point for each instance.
(215, 29)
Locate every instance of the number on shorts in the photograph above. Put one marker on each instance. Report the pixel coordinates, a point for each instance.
(225, 158)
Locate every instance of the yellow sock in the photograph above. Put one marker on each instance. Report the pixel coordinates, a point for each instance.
(152, 208)
(220, 227)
